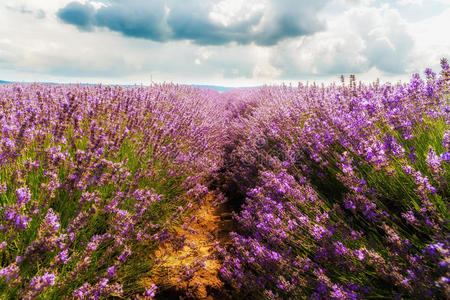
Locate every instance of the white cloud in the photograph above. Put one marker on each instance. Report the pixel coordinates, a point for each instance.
(229, 12)
(431, 41)
(356, 41)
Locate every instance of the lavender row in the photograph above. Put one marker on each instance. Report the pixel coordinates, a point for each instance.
(346, 190)
(92, 179)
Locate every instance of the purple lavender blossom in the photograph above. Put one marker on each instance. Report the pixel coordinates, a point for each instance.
(23, 196)
(446, 140)
(10, 272)
(38, 284)
(111, 272)
(151, 292)
(3, 245)
(101, 289)
(3, 188)
(51, 221)
(62, 257)
(445, 157)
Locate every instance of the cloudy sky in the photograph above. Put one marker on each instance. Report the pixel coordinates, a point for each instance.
(220, 42)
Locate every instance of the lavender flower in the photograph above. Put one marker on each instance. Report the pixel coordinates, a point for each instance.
(10, 272)
(38, 284)
(111, 271)
(3, 188)
(100, 290)
(23, 196)
(3, 245)
(62, 257)
(151, 292)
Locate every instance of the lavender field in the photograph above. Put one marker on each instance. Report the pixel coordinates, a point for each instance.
(336, 192)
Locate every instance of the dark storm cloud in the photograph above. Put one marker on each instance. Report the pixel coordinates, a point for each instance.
(133, 18)
(290, 18)
(80, 15)
(194, 25)
(190, 20)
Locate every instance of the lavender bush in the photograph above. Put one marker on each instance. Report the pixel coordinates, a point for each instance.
(346, 191)
(91, 180)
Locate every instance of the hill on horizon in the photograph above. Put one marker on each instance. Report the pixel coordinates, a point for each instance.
(214, 87)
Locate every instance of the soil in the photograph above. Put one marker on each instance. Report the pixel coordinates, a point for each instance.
(211, 226)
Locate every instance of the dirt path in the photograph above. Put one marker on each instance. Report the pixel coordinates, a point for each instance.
(192, 270)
